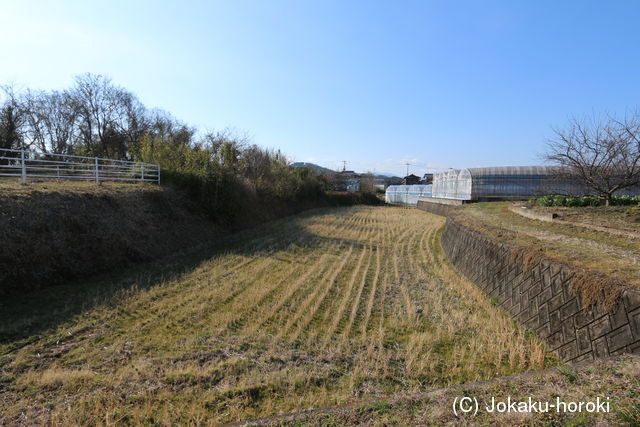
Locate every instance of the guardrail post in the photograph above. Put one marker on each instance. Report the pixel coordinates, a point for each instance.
(24, 167)
(142, 171)
(97, 174)
(158, 174)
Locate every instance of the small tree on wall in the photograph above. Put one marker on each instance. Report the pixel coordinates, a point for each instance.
(603, 154)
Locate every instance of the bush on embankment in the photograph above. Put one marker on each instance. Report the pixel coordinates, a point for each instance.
(217, 179)
(581, 201)
(239, 185)
(52, 233)
(220, 170)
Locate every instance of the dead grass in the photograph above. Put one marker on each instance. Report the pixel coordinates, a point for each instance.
(55, 377)
(53, 232)
(13, 187)
(610, 254)
(598, 289)
(324, 308)
(621, 218)
(614, 379)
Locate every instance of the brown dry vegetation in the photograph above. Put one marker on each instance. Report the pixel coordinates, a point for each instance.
(617, 380)
(323, 308)
(52, 232)
(610, 253)
(623, 220)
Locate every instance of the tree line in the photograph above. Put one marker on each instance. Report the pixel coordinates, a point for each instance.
(95, 117)
(600, 152)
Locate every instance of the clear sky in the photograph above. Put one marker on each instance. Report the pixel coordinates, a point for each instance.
(377, 83)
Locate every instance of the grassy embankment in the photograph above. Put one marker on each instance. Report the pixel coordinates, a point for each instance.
(328, 307)
(53, 232)
(601, 239)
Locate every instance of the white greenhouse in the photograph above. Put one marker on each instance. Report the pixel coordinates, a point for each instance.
(407, 195)
(501, 183)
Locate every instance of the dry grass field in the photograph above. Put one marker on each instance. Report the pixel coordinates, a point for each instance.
(603, 239)
(327, 307)
(614, 380)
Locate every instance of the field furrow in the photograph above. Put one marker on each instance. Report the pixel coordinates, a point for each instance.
(372, 295)
(311, 304)
(335, 314)
(357, 299)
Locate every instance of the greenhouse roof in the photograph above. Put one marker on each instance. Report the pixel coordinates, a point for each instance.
(513, 170)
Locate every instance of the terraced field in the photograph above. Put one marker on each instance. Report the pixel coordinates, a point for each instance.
(324, 308)
(603, 239)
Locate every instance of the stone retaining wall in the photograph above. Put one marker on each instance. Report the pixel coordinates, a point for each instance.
(541, 298)
(436, 208)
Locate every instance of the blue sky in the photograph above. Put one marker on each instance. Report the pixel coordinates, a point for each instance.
(436, 83)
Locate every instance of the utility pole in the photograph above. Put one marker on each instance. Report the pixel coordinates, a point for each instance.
(344, 165)
(408, 164)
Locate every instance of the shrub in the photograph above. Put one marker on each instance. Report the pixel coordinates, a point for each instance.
(545, 201)
(625, 200)
(559, 201)
(573, 201)
(579, 201)
(234, 182)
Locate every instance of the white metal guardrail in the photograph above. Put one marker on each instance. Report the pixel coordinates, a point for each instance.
(31, 164)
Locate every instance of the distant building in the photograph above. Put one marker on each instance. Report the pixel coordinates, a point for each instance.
(348, 175)
(411, 180)
(353, 186)
(427, 178)
(346, 180)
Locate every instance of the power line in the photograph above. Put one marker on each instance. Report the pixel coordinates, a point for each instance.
(408, 164)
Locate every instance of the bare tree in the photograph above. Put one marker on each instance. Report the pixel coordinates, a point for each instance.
(136, 124)
(255, 163)
(603, 154)
(367, 183)
(12, 120)
(50, 121)
(163, 125)
(109, 118)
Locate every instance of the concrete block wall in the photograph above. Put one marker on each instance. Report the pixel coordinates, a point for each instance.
(436, 208)
(540, 297)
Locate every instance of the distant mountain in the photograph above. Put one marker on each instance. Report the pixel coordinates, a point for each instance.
(389, 178)
(316, 168)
